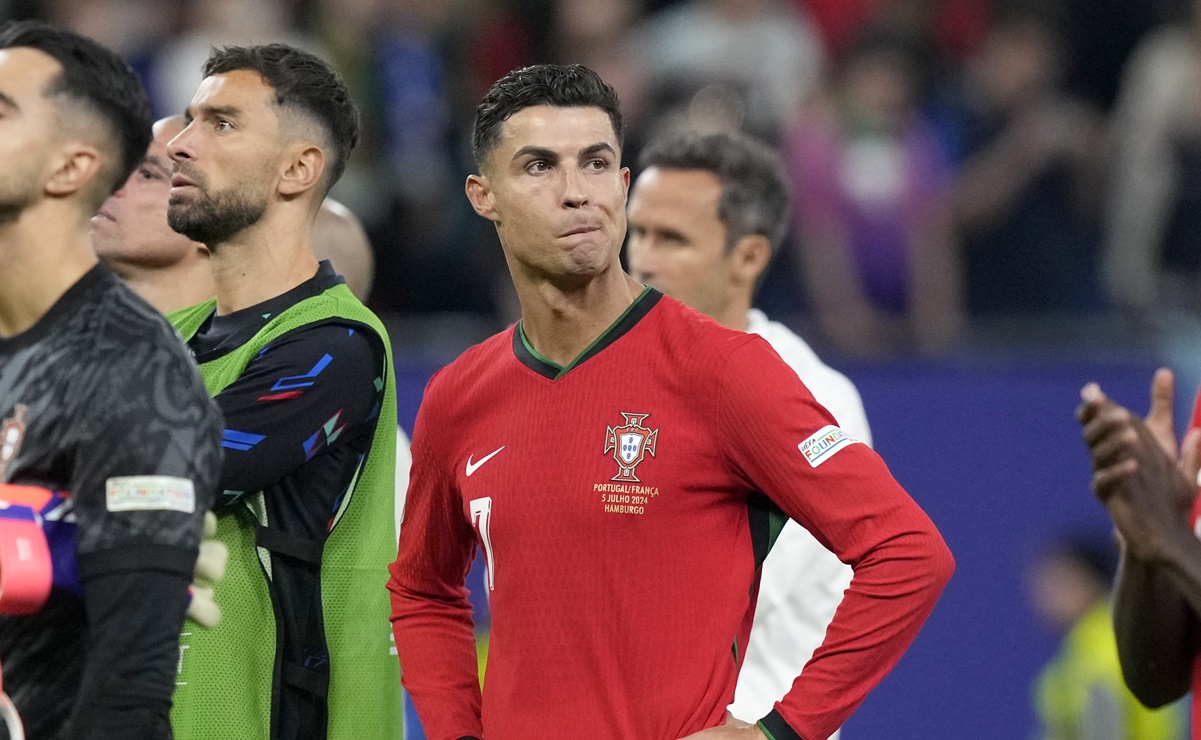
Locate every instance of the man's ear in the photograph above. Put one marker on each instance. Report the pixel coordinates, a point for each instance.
(479, 192)
(302, 170)
(749, 258)
(75, 168)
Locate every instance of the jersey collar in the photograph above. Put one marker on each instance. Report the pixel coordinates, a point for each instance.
(529, 357)
(220, 335)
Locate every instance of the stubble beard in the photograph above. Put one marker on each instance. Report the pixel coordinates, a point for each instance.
(17, 193)
(214, 218)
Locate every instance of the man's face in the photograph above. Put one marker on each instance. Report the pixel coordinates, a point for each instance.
(556, 190)
(28, 127)
(225, 159)
(131, 226)
(677, 241)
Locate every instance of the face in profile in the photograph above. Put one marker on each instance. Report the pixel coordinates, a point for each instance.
(28, 122)
(677, 240)
(131, 227)
(555, 188)
(225, 158)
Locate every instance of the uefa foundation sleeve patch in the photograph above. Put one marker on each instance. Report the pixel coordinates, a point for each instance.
(150, 493)
(824, 444)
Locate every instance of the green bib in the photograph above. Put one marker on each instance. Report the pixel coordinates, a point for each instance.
(227, 675)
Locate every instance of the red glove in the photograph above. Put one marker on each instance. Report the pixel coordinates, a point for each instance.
(26, 570)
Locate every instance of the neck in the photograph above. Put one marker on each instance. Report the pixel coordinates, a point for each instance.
(262, 262)
(561, 323)
(733, 315)
(43, 252)
(167, 289)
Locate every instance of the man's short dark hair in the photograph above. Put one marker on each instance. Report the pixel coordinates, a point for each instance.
(302, 82)
(557, 85)
(755, 197)
(100, 82)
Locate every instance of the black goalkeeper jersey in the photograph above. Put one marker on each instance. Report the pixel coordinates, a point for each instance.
(101, 403)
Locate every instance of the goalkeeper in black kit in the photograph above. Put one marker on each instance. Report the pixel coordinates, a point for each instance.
(109, 444)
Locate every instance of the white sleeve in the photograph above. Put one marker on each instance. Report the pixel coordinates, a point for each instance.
(404, 460)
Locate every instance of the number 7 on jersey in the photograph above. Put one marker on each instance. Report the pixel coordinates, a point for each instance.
(481, 517)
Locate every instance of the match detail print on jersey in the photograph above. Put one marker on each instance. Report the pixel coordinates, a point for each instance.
(824, 444)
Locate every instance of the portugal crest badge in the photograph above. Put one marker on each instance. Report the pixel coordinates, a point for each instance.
(630, 443)
(12, 433)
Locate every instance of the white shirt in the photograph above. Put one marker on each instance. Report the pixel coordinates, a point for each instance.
(802, 582)
(404, 461)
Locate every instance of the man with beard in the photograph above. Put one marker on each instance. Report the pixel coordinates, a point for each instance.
(302, 372)
(108, 441)
(169, 271)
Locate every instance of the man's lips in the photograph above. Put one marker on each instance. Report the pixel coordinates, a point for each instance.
(580, 230)
(103, 213)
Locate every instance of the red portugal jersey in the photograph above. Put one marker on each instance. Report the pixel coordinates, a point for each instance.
(619, 506)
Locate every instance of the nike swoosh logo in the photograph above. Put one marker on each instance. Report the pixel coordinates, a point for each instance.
(474, 466)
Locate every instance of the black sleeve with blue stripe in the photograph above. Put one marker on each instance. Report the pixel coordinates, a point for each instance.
(304, 393)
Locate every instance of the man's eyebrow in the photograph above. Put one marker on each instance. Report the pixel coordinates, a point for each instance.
(211, 111)
(8, 102)
(158, 164)
(597, 148)
(672, 234)
(537, 152)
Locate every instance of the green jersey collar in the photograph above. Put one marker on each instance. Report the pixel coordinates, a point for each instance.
(529, 356)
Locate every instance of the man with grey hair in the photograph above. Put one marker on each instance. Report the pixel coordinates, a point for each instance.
(706, 216)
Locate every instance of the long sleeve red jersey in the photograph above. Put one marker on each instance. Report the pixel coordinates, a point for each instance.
(615, 503)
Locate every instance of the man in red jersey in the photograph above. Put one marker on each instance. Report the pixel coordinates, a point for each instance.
(1150, 491)
(614, 456)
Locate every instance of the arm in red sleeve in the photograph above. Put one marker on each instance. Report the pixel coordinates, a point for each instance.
(780, 441)
(431, 616)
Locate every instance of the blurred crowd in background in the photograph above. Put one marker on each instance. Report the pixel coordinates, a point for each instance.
(968, 176)
(958, 165)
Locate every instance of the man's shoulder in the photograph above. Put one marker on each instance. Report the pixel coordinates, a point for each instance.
(831, 388)
(477, 364)
(676, 321)
(119, 329)
(129, 365)
(794, 350)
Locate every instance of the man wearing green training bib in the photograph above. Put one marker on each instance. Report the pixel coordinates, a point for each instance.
(303, 374)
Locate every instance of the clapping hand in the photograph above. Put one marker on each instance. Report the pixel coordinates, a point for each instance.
(1147, 487)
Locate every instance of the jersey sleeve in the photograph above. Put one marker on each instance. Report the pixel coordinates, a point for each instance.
(431, 616)
(780, 441)
(307, 391)
(841, 398)
(146, 458)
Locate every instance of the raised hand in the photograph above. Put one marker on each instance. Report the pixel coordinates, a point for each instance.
(1135, 467)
